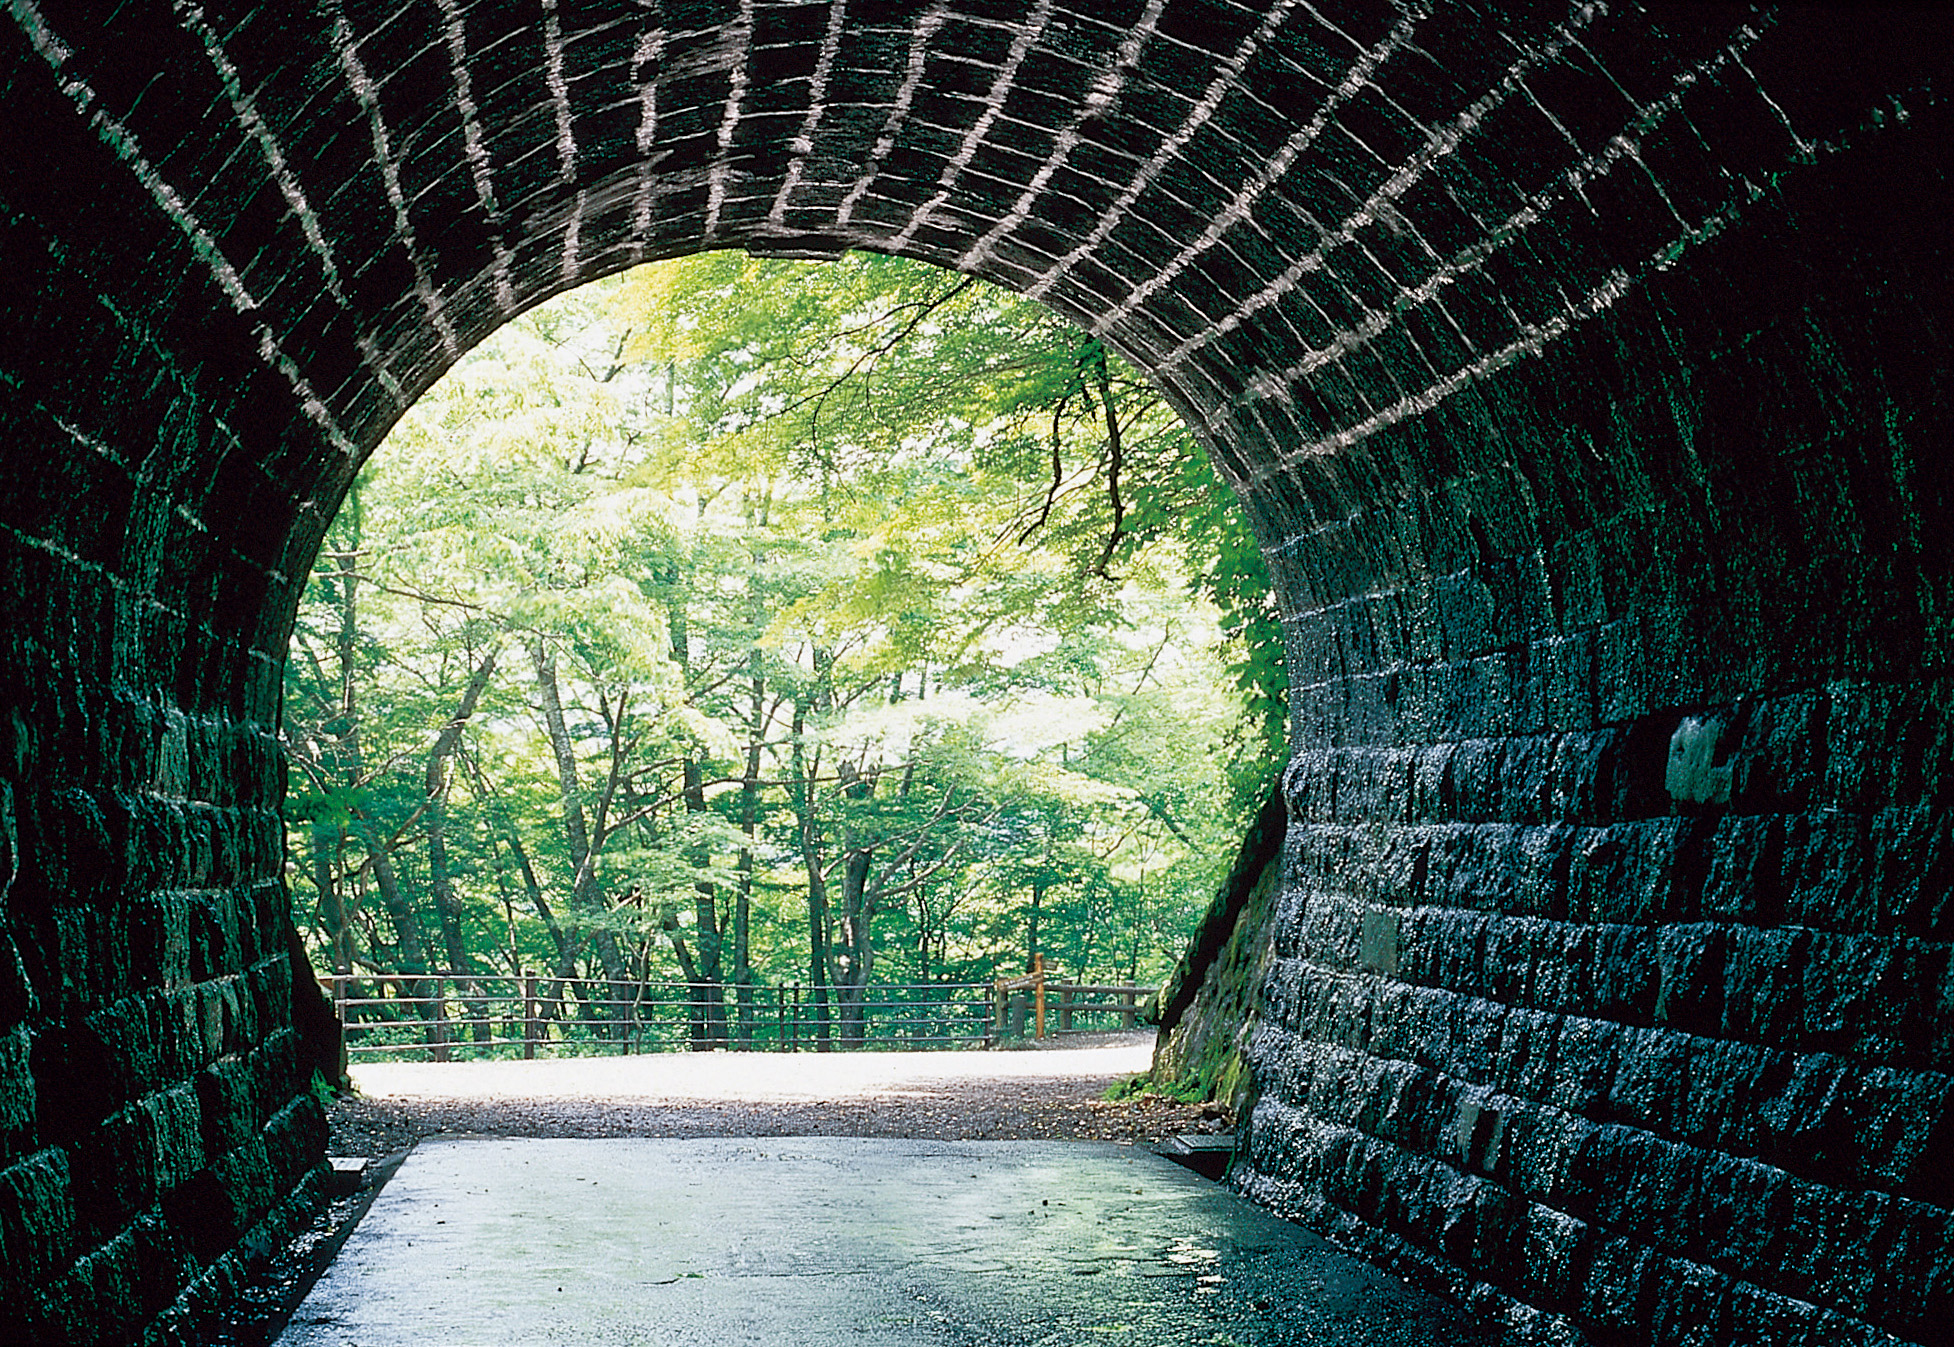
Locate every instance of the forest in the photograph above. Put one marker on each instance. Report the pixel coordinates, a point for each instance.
(740, 622)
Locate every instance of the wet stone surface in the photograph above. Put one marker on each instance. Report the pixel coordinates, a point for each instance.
(827, 1239)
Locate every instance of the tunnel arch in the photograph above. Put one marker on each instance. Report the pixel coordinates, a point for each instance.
(1583, 367)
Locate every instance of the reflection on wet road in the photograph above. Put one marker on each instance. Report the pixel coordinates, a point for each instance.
(794, 1241)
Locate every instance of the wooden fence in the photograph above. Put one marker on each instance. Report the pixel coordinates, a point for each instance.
(1019, 1004)
(454, 1017)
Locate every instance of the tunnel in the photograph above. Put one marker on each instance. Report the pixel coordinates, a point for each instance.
(1580, 367)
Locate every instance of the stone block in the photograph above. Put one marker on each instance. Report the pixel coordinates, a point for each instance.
(1829, 882)
(99, 1299)
(1728, 1084)
(113, 1173)
(1764, 983)
(1692, 1305)
(79, 1079)
(1618, 1291)
(1698, 773)
(1843, 1004)
(1586, 1055)
(37, 1218)
(1746, 877)
(1734, 1214)
(1651, 1086)
(1780, 762)
(1527, 1051)
(1826, 1247)
(225, 1105)
(17, 1094)
(1755, 1315)
(1691, 962)
(1910, 869)
(176, 1125)
(1565, 971)
(1913, 1291)
(1624, 974)
(1621, 873)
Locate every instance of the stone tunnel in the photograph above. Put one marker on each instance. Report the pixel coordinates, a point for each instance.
(1581, 367)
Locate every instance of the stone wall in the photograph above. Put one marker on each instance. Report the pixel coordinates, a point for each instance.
(1212, 1005)
(1583, 367)
(1612, 981)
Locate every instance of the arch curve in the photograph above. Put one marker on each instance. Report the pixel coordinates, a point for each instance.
(1583, 367)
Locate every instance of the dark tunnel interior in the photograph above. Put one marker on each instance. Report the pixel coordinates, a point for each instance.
(1581, 367)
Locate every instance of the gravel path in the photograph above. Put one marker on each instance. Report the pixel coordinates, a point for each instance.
(1054, 1092)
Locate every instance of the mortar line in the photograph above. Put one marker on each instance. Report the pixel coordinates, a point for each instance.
(920, 37)
(1001, 85)
(802, 145)
(1211, 98)
(729, 121)
(120, 141)
(475, 149)
(368, 95)
(648, 51)
(1105, 91)
(244, 108)
(1277, 384)
(566, 140)
(1436, 147)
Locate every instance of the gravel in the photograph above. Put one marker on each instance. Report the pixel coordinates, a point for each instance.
(1043, 1093)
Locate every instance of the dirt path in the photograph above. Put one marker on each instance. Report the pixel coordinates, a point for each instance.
(1054, 1093)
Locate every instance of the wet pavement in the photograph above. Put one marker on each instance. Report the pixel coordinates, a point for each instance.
(791, 1241)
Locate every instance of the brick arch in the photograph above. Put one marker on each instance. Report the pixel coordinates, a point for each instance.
(1583, 367)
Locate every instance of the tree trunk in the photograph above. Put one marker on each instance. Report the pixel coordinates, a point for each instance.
(440, 880)
(809, 836)
(584, 891)
(749, 825)
(408, 941)
(707, 979)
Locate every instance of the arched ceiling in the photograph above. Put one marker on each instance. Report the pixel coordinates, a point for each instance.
(1583, 366)
(1312, 224)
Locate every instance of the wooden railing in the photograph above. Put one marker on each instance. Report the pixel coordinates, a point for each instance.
(1019, 1004)
(450, 1017)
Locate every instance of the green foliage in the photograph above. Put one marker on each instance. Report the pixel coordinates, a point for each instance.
(744, 622)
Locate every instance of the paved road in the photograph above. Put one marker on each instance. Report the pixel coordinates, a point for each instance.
(794, 1242)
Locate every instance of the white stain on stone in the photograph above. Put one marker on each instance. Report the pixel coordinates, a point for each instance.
(114, 134)
(1170, 149)
(921, 36)
(1106, 88)
(1007, 74)
(817, 103)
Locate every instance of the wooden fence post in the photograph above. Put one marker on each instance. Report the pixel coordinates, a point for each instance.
(530, 1014)
(1038, 989)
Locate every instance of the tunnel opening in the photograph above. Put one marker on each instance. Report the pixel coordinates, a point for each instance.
(756, 654)
(1583, 370)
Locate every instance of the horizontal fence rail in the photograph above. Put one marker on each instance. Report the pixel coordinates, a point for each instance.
(458, 1017)
(1019, 1004)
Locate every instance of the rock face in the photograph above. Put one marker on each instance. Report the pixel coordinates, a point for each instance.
(1585, 370)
